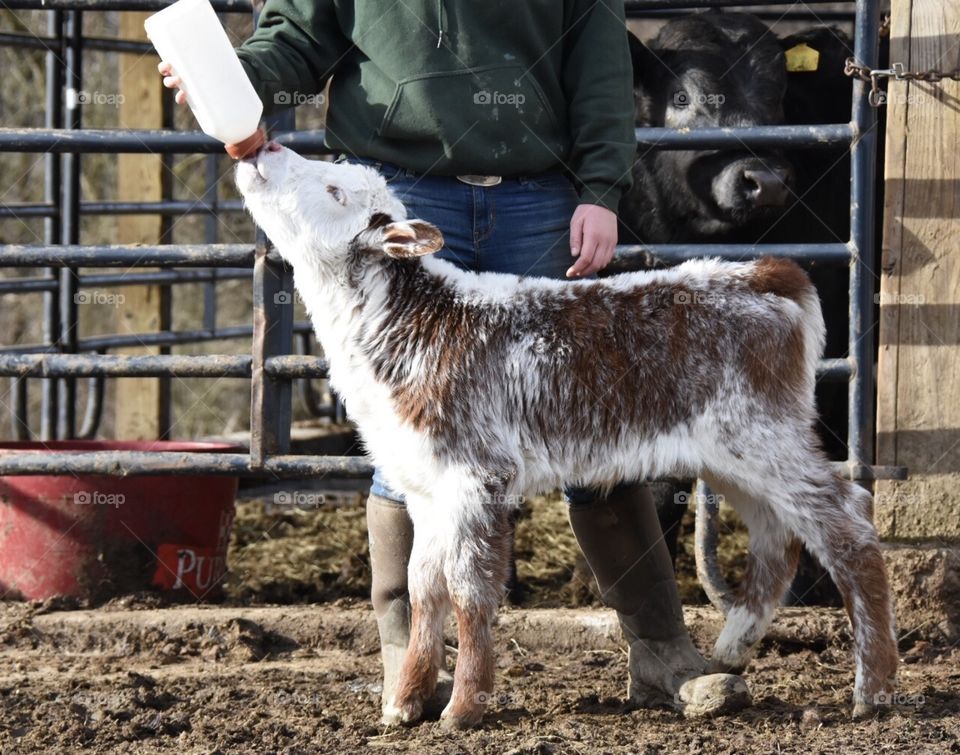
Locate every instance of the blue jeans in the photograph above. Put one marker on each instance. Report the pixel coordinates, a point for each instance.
(521, 226)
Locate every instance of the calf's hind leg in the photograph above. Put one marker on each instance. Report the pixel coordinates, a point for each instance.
(834, 519)
(771, 564)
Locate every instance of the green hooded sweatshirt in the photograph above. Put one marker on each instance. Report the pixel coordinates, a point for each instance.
(450, 87)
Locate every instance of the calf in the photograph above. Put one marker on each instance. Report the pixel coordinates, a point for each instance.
(471, 390)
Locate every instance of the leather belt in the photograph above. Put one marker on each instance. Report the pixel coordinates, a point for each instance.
(474, 180)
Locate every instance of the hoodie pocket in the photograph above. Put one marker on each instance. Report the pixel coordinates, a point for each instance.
(494, 119)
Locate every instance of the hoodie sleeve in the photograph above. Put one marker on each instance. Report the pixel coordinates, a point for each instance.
(598, 82)
(293, 51)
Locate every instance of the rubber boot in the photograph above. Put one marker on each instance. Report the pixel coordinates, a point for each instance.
(390, 534)
(622, 542)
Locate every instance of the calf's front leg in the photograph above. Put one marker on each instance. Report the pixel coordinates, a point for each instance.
(477, 567)
(428, 608)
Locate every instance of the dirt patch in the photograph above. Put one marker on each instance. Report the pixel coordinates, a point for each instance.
(209, 680)
(263, 672)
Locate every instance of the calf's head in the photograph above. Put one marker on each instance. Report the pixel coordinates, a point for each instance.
(326, 216)
(707, 70)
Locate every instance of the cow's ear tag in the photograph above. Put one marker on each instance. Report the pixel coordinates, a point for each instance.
(802, 58)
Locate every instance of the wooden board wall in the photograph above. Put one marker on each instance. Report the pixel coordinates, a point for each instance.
(918, 406)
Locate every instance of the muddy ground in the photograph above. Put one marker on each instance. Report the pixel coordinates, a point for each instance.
(139, 675)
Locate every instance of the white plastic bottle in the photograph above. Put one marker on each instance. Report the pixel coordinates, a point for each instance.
(189, 37)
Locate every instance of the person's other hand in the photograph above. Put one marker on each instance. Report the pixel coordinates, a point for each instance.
(172, 81)
(593, 235)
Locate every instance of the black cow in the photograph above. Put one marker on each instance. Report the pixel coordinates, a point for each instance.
(717, 69)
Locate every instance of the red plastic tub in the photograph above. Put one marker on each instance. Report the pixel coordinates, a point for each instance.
(95, 537)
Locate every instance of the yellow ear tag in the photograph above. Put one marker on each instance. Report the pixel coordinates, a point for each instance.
(801, 58)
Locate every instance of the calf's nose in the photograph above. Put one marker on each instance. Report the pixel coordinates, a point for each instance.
(766, 188)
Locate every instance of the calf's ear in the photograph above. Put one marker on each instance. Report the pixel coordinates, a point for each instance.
(404, 239)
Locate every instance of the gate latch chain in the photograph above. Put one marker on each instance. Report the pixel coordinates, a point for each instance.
(895, 72)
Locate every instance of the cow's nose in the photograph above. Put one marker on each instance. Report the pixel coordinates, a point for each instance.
(766, 187)
(272, 146)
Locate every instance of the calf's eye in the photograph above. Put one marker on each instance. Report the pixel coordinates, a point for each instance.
(337, 193)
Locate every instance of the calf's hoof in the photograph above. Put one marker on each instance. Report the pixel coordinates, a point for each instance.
(402, 712)
(462, 717)
(870, 706)
(713, 695)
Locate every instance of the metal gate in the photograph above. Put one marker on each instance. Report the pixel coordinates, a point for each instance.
(63, 359)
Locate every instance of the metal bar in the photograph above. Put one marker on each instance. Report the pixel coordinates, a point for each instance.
(116, 365)
(271, 400)
(130, 255)
(211, 233)
(136, 463)
(165, 207)
(19, 409)
(834, 370)
(296, 366)
(862, 265)
(106, 44)
(70, 228)
(242, 255)
(245, 6)
(162, 338)
(27, 285)
(114, 280)
(632, 5)
(311, 142)
(820, 16)
(287, 367)
(53, 117)
(139, 463)
(224, 6)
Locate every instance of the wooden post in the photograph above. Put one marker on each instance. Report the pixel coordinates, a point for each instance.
(141, 403)
(918, 406)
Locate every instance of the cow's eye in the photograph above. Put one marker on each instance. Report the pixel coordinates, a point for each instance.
(337, 193)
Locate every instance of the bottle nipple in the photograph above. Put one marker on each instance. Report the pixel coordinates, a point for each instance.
(248, 147)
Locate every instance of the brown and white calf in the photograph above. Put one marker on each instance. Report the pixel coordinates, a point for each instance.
(471, 390)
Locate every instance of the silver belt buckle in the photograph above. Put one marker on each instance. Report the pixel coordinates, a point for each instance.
(474, 180)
